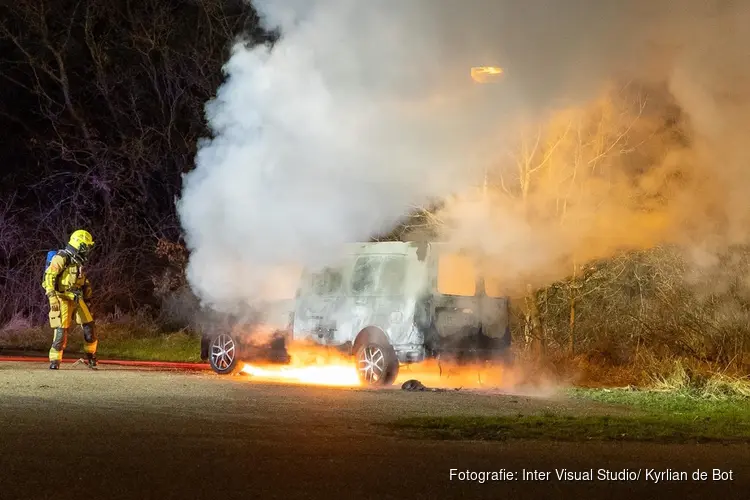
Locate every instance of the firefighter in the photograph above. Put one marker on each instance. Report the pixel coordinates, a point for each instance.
(67, 288)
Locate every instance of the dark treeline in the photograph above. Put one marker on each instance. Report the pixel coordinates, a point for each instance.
(101, 109)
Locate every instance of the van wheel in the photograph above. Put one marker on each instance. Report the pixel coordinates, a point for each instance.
(222, 354)
(377, 364)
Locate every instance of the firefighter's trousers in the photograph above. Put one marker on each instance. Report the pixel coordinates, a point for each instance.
(62, 320)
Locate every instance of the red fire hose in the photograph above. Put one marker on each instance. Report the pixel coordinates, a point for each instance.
(164, 365)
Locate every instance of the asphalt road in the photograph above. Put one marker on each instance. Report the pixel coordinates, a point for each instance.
(132, 434)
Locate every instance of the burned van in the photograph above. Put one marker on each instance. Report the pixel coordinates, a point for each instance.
(392, 303)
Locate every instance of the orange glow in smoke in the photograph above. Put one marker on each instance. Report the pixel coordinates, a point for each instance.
(486, 74)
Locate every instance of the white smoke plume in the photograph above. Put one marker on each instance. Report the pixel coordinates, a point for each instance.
(364, 110)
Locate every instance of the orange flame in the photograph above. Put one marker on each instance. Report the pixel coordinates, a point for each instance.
(316, 365)
(310, 365)
(446, 376)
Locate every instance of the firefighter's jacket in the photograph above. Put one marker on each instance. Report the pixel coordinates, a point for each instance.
(66, 278)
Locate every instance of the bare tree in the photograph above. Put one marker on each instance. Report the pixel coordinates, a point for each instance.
(105, 101)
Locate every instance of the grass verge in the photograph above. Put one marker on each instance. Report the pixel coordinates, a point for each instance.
(116, 341)
(668, 417)
(171, 347)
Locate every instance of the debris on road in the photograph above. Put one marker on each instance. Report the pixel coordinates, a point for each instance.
(416, 385)
(84, 362)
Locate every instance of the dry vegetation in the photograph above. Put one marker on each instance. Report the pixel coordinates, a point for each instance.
(638, 319)
(644, 297)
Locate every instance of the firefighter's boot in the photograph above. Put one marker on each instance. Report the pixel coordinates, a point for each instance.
(54, 365)
(89, 344)
(91, 361)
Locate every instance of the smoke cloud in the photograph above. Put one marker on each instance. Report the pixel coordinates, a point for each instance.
(363, 111)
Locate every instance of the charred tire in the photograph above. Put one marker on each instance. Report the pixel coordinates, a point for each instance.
(377, 364)
(223, 354)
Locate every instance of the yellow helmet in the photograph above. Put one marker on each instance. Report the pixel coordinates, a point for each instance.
(81, 241)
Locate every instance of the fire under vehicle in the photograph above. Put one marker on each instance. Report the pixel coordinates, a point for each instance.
(385, 304)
